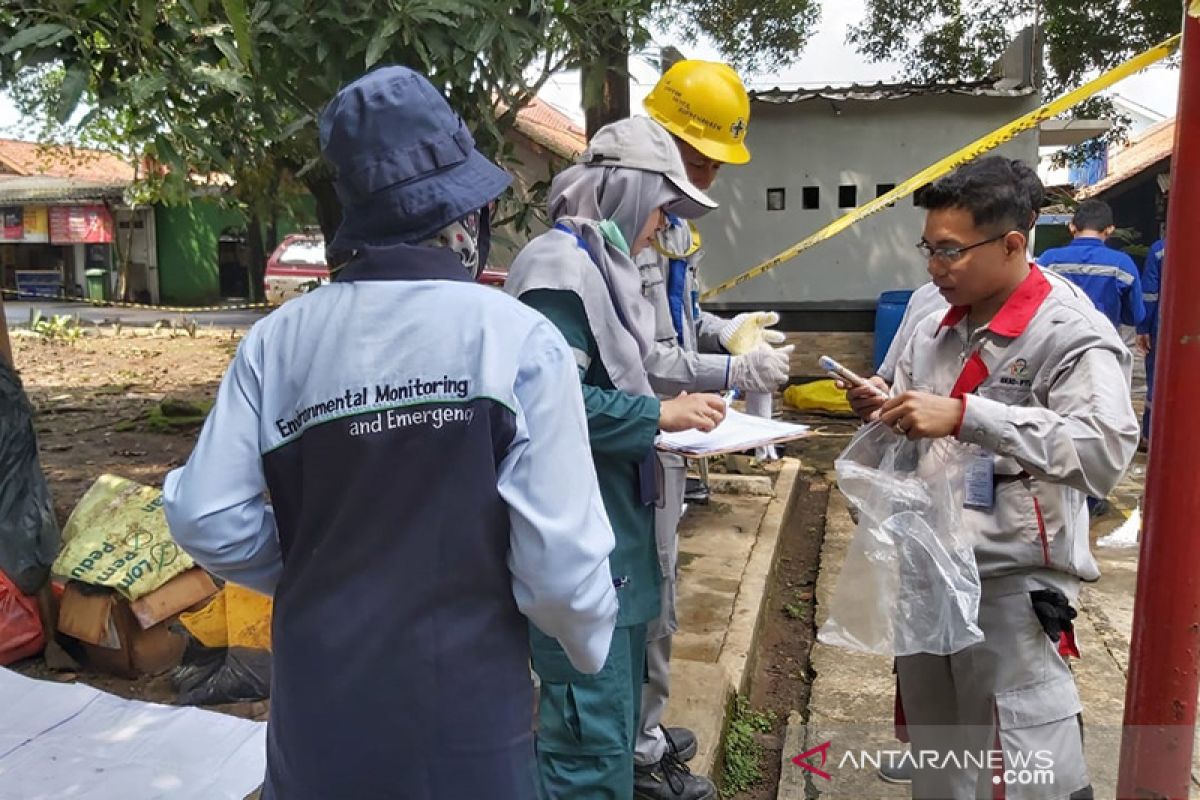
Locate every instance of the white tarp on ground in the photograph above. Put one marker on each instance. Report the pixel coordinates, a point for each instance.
(72, 741)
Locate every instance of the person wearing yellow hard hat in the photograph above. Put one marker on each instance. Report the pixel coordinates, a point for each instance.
(706, 109)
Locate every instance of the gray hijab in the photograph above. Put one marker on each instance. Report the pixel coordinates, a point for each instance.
(604, 277)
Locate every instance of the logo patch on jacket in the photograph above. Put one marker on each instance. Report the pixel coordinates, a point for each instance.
(1017, 374)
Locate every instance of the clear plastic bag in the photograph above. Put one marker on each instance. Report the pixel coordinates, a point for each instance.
(909, 583)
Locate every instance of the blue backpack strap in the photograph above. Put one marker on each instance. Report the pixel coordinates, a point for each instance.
(676, 281)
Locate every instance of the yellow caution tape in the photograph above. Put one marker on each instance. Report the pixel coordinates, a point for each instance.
(954, 160)
(117, 304)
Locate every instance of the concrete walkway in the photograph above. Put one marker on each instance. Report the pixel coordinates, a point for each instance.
(852, 695)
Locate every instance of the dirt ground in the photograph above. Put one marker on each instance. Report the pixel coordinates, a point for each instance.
(94, 400)
(95, 405)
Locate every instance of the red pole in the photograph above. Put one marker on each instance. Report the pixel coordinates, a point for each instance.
(1164, 662)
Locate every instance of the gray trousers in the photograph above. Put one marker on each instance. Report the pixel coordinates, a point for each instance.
(651, 744)
(1006, 710)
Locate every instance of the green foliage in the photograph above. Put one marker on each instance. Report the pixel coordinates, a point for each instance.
(743, 753)
(755, 35)
(236, 87)
(57, 328)
(938, 40)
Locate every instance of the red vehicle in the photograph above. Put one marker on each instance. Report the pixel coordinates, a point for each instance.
(298, 266)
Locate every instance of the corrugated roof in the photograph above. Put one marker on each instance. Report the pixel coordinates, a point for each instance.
(1147, 149)
(31, 158)
(889, 91)
(53, 189)
(547, 126)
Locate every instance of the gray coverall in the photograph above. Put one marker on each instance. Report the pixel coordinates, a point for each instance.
(1045, 386)
(687, 357)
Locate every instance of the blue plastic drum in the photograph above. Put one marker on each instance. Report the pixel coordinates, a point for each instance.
(888, 315)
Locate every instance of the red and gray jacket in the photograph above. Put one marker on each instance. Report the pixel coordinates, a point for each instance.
(1046, 392)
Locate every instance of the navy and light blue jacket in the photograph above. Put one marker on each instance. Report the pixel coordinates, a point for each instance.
(1151, 284)
(424, 444)
(1109, 277)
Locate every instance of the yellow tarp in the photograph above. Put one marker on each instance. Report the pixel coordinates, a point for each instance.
(817, 396)
(237, 617)
(117, 536)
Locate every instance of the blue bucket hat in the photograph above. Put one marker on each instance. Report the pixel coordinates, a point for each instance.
(406, 164)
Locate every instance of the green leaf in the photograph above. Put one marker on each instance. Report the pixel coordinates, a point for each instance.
(229, 50)
(376, 48)
(38, 35)
(235, 12)
(381, 41)
(147, 17)
(224, 79)
(142, 89)
(71, 89)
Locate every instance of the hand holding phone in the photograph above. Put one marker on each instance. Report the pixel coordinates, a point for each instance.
(838, 372)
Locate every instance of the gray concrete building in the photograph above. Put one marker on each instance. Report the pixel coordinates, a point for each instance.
(817, 154)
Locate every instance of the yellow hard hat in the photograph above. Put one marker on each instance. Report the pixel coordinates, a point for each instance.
(705, 104)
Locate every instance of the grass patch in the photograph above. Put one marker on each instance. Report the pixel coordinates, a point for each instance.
(743, 753)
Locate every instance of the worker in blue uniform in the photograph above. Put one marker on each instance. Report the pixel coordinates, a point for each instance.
(1109, 277)
(1147, 339)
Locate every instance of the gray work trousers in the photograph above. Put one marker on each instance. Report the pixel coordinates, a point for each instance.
(1005, 710)
(651, 744)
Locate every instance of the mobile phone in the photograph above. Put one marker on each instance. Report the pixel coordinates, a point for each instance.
(836, 370)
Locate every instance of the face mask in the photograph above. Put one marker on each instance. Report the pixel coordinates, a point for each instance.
(612, 234)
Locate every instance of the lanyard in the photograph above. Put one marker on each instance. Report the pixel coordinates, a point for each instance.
(695, 232)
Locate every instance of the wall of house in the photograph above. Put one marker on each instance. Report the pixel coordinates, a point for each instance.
(187, 250)
(822, 146)
(189, 247)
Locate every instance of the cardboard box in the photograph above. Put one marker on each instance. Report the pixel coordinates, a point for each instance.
(113, 639)
(178, 594)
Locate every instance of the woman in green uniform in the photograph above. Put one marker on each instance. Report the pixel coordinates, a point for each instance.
(581, 276)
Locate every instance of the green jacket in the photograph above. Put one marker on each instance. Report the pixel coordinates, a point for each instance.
(621, 428)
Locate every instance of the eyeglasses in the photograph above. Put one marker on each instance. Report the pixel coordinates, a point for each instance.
(952, 254)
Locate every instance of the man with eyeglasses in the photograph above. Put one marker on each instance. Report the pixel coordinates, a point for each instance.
(1024, 371)
(926, 300)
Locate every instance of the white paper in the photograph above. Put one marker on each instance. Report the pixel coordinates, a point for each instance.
(738, 432)
(72, 741)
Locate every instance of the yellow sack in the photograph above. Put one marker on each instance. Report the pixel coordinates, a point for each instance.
(820, 395)
(117, 536)
(237, 617)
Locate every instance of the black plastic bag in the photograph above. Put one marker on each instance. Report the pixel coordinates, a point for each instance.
(217, 675)
(29, 535)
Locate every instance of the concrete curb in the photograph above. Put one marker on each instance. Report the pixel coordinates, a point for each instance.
(738, 647)
(702, 691)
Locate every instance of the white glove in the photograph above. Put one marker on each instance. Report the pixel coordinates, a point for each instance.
(747, 331)
(761, 370)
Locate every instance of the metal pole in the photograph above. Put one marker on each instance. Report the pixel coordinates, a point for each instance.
(1164, 662)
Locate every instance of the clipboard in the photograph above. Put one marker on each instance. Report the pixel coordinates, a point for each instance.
(738, 432)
